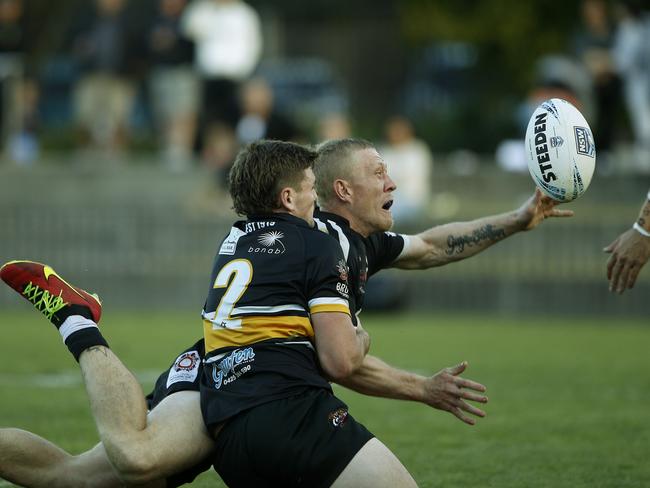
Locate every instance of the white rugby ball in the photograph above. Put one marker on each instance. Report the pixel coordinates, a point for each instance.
(560, 150)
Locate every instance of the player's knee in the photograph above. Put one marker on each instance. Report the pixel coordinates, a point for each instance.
(134, 465)
(137, 471)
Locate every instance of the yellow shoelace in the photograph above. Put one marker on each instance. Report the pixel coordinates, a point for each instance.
(43, 300)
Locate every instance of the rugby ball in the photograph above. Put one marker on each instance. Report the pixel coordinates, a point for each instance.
(560, 150)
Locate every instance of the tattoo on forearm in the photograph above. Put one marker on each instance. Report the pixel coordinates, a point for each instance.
(456, 245)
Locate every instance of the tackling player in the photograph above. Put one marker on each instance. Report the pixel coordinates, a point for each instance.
(340, 347)
(280, 290)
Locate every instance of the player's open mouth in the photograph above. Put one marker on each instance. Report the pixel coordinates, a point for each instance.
(387, 205)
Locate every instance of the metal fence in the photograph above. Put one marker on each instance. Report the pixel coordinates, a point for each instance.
(144, 238)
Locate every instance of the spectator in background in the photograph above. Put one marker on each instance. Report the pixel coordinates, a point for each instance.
(228, 42)
(334, 125)
(632, 59)
(173, 84)
(410, 165)
(105, 92)
(592, 46)
(556, 77)
(12, 30)
(18, 92)
(259, 118)
(24, 147)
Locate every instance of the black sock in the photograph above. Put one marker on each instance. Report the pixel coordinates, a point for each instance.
(83, 339)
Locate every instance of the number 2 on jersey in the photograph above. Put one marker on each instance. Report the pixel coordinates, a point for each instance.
(242, 269)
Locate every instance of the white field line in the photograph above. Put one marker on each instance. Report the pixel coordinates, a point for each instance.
(62, 379)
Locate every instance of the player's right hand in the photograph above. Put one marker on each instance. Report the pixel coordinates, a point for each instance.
(629, 253)
(448, 391)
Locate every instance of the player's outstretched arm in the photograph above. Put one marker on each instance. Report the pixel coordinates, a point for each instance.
(451, 242)
(629, 252)
(445, 390)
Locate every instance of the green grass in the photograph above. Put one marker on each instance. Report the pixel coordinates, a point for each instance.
(568, 397)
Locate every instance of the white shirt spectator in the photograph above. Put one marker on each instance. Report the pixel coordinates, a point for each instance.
(632, 57)
(410, 166)
(228, 37)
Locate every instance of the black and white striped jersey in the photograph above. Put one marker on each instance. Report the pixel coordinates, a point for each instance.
(365, 256)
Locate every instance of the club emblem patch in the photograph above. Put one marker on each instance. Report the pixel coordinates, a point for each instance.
(185, 368)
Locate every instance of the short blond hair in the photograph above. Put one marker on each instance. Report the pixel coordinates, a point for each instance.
(335, 160)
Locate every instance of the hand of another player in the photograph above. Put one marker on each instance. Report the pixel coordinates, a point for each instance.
(539, 207)
(362, 336)
(629, 252)
(446, 390)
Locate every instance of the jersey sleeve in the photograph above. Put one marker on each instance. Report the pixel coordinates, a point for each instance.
(382, 249)
(326, 276)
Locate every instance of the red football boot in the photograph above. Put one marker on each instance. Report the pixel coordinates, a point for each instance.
(49, 293)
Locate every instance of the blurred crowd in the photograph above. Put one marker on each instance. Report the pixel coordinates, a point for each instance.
(192, 61)
(194, 66)
(191, 70)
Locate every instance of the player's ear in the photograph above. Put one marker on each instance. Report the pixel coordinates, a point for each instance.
(287, 199)
(343, 190)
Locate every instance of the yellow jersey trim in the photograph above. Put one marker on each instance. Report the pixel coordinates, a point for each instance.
(330, 307)
(256, 329)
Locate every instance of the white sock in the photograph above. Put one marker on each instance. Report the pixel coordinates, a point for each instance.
(73, 324)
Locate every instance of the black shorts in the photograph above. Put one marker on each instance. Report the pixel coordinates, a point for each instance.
(183, 375)
(301, 441)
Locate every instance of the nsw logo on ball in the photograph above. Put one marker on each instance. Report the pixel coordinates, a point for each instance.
(584, 143)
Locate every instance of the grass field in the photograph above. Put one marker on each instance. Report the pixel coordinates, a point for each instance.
(569, 398)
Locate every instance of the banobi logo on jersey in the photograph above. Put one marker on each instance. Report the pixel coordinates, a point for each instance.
(270, 243)
(185, 368)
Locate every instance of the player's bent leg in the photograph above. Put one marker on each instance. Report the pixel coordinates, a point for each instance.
(139, 449)
(374, 466)
(117, 403)
(175, 439)
(29, 460)
(94, 467)
(91, 469)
